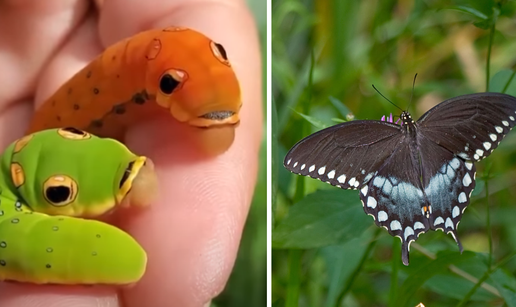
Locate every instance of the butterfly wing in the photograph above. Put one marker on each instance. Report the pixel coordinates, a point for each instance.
(448, 181)
(395, 198)
(345, 155)
(470, 126)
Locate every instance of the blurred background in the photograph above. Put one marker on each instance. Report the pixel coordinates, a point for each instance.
(247, 284)
(325, 56)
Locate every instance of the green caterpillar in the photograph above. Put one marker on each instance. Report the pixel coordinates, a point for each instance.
(51, 178)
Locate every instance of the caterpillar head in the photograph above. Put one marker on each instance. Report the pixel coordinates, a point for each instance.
(139, 184)
(197, 85)
(67, 171)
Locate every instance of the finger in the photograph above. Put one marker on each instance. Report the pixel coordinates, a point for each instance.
(15, 115)
(31, 31)
(27, 295)
(192, 233)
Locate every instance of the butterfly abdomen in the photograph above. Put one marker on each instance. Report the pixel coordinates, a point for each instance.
(39, 248)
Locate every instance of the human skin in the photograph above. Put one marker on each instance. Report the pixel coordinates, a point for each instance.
(192, 232)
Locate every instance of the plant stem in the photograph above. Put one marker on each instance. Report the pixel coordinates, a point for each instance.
(488, 63)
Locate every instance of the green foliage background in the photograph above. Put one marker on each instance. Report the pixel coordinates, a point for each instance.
(326, 55)
(247, 283)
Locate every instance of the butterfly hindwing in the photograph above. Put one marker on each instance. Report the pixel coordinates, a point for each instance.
(344, 155)
(448, 182)
(395, 198)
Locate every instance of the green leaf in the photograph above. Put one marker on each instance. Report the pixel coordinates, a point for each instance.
(503, 81)
(341, 262)
(479, 187)
(506, 285)
(453, 286)
(474, 12)
(323, 218)
(314, 121)
(339, 120)
(340, 106)
(421, 275)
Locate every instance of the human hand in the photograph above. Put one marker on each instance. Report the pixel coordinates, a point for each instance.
(193, 231)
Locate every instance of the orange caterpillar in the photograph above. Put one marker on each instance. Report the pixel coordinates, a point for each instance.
(177, 69)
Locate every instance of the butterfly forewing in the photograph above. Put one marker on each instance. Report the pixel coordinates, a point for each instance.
(344, 155)
(470, 126)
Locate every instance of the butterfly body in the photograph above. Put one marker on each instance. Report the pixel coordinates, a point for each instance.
(415, 176)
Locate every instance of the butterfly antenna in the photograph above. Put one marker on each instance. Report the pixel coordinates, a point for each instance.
(412, 94)
(387, 99)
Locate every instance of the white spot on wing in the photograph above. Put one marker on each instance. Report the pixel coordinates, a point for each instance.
(351, 181)
(438, 221)
(476, 157)
(408, 232)
(487, 145)
(511, 118)
(505, 123)
(419, 225)
(455, 211)
(312, 168)
(342, 179)
(331, 174)
(493, 137)
(289, 160)
(382, 216)
(462, 197)
(466, 181)
(322, 170)
(371, 203)
(295, 164)
(469, 165)
(366, 179)
(364, 190)
(498, 129)
(480, 152)
(449, 223)
(395, 225)
(303, 166)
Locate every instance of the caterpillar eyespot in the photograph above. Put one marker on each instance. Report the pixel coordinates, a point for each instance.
(73, 133)
(17, 175)
(168, 84)
(53, 182)
(220, 53)
(60, 190)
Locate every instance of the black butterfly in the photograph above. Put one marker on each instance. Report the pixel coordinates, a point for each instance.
(415, 176)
